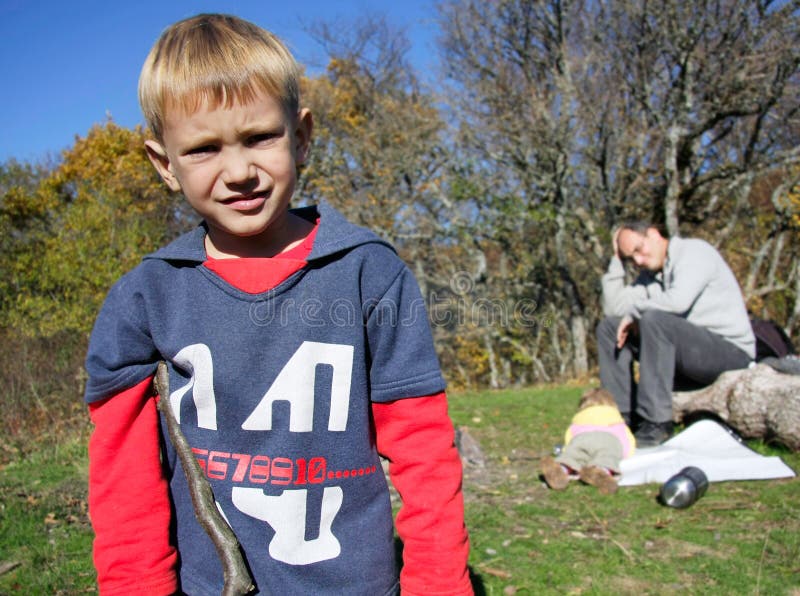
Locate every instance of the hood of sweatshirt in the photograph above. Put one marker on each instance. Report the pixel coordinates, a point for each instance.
(335, 235)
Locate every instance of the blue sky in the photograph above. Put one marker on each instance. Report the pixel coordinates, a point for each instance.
(65, 65)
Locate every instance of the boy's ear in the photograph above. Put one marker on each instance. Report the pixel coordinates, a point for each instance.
(160, 160)
(302, 135)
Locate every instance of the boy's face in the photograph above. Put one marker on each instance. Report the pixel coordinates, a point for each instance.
(236, 167)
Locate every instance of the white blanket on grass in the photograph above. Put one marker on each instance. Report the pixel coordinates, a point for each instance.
(707, 445)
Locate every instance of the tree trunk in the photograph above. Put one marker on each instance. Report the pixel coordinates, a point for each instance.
(758, 402)
(581, 362)
(795, 316)
(494, 375)
(673, 180)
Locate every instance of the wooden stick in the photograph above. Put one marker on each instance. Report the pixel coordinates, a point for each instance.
(238, 580)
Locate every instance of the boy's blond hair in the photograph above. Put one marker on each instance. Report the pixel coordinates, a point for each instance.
(215, 58)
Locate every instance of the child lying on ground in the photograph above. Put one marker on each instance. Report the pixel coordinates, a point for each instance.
(595, 443)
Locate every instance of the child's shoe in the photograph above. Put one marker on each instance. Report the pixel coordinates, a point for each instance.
(602, 479)
(554, 475)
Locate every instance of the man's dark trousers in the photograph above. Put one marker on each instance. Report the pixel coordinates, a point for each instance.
(668, 348)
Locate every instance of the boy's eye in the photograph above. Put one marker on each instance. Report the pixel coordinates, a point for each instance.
(262, 138)
(201, 150)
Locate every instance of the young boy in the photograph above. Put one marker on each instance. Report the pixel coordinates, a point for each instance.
(297, 347)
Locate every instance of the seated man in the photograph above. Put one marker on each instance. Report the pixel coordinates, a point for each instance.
(683, 318)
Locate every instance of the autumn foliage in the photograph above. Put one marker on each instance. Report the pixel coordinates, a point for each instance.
(499, 183)
(68, 233)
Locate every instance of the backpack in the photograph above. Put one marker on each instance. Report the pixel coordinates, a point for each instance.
(771, 340)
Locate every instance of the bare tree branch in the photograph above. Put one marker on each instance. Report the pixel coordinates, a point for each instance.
(238, 580)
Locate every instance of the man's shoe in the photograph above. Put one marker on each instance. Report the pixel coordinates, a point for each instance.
(650, 434)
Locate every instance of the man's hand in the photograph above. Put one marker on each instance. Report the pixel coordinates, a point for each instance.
(625, 325)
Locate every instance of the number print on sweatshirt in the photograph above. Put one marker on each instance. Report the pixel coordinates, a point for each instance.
(197, 360)
(287, 512)
(295, 384)
(283, 513)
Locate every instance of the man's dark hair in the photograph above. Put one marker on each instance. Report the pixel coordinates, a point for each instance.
(641, 226)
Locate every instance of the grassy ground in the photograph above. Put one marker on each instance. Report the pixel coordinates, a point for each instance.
(740, 538)
(45, 537)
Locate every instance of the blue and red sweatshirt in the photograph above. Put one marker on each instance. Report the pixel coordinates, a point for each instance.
(289, 376)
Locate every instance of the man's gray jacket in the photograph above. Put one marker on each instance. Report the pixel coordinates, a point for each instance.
(695, 283)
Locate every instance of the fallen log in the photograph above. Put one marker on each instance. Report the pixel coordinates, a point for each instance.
(757, 402)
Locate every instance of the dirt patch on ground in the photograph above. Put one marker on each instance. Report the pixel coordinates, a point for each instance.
(668, 548)
(630, 585)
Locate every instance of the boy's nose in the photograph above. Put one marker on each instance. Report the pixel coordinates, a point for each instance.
(237, 168)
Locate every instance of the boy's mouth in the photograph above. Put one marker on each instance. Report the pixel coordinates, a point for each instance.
(246, 203)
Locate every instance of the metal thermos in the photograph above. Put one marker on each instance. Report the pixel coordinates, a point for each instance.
(684, 488)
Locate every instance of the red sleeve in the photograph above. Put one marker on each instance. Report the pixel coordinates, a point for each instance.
(128, 497)
(416, 436)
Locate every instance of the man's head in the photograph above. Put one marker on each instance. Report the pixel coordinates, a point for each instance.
(217, 60)
(643, 244)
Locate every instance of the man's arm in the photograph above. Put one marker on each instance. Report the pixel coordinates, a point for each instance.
(691, 269)
(618, 298)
